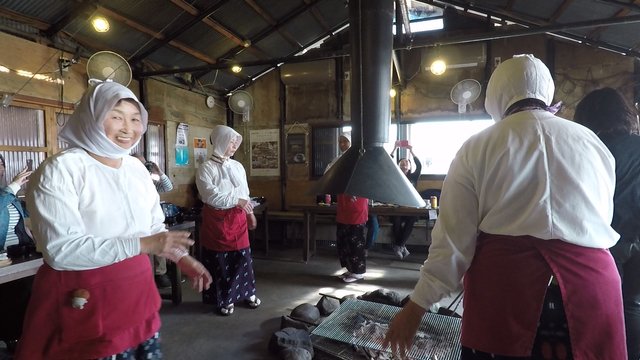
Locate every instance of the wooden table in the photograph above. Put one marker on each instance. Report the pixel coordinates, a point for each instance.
(20, 269)
(310, 212)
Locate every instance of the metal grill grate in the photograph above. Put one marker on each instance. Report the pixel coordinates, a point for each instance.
(363, 324)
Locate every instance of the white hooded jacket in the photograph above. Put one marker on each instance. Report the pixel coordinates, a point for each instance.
(531, 173)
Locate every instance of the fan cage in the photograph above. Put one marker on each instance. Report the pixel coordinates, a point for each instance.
(109, 66)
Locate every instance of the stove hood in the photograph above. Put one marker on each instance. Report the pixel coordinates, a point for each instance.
(366, 169)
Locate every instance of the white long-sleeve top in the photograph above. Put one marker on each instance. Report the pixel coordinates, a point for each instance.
(531, 173)
(86, 215)
(221, 185)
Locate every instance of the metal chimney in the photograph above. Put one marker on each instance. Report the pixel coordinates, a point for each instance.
(366, 169)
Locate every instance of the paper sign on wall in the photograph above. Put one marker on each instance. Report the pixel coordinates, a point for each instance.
(182, 149)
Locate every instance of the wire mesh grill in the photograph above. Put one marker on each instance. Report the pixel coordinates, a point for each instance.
(364, 324)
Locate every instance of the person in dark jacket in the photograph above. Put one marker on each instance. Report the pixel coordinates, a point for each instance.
(606, 112)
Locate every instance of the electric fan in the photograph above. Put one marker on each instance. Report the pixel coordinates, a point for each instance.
(464, 93)
(241, 102)
(109, 66)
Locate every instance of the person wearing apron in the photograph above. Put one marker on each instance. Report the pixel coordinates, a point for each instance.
(226, 216)
(96, 216)
(529, 198)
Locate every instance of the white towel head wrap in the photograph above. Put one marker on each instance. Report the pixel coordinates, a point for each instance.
(85, 127)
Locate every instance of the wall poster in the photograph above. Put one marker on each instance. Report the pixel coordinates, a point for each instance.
(265, 152)
(199, 151)
(296, 148)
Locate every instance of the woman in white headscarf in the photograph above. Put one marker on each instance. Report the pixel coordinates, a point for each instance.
(95, 216)
(529, 198)
(226, 216)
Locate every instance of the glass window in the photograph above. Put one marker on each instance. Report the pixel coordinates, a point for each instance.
(436, 143)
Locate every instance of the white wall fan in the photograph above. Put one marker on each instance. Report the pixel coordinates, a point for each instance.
(464, 93)
(109, 66)
(241, 102)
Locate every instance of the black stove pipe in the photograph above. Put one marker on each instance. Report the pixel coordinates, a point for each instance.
(366, 169)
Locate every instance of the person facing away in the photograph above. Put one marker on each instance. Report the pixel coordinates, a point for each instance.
(227, 215)
(14, 295)
(402, 226)
(609, 115)
(95, 217)
(163, 184)
(526, 199)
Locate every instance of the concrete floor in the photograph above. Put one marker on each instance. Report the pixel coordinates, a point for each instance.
(193, 331)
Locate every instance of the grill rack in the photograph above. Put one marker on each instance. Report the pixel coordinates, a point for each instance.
(359, 323)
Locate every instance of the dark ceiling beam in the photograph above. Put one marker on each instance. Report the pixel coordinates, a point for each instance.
(531, 23)
(226, 58)
(595, 33)
(272, 62)
(318, 16)
(268, 18)
(80, 10)
(509, 5)
(157, 35)
(549, 29)
(625, 4)
(560, 10)
(159, 44)
(12, 15)
(404, 16)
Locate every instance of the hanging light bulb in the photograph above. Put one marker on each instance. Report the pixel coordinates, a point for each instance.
(100, 24)
(438, 67)
(393, 92)
(236, 68)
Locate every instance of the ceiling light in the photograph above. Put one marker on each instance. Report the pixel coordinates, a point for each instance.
(438, 67)
(246, 43)
(100, 24)
(236, 68)
(393, 92)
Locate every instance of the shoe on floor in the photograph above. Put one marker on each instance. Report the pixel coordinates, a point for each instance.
(398, 251)
(253, 302)
(226, 311)
(353, 278)
(344, 275)
(405, 252)
(162, 281)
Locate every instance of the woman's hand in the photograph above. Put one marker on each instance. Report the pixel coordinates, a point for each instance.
(403, 329)
(252, 222)
(245, 205)
(200, 277)
(166, 243)
(22, 177)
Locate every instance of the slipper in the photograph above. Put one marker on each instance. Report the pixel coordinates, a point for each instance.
(226, 311)
(253, 302)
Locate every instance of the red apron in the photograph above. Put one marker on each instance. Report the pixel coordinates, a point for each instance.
(121, 312)
(504, 290)
(224, 230)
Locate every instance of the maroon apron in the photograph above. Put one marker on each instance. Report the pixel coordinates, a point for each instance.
(504, 290)
(121, 312)
(224, 230)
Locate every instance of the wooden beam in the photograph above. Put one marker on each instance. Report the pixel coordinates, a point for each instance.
(209, 22)
(38, 24)
(560, 10)
(157, 35)
(273, 22)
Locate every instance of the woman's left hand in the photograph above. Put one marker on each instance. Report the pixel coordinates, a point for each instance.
(22, 177)
(199, 275)
(252, 222)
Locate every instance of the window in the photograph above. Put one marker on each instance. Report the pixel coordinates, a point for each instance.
(436, 143)
(22, 138)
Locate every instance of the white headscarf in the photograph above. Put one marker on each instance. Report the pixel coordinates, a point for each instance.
(85, 127)
(220, 138)
(522, 77)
